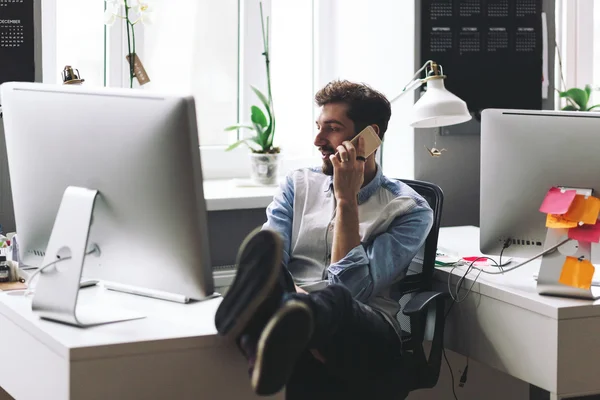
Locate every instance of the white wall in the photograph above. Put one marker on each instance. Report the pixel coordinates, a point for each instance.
(372, 41)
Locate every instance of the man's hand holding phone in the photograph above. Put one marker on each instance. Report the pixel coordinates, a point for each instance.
(348, 170)
(349, 163)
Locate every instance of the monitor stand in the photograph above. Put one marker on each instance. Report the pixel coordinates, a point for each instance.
(57, 289)
(552, 264)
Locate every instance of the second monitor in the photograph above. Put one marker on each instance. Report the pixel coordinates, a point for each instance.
(523, 154)
(140, 152)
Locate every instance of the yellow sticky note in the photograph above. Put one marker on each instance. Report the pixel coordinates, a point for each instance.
(584, 210)
(577, 273)
(559, 221)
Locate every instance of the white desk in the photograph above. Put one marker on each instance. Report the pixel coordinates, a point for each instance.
(552, 343)
(174, 353)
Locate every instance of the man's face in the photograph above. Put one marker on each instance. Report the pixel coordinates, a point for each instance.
(334, 127)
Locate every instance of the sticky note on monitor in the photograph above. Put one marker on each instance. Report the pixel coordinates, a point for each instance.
(584, 210)
(557, 201)
(577, 273)
(558, 221)
(586, 233)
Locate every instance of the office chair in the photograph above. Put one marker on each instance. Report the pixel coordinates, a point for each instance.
(421, 314)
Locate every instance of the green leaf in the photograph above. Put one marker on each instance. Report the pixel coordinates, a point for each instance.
(261, 97)
(269, 132)
(588, 90)
(256, 140)
(258, 117)
(592, 107)
(238, 126)
(579, 96)
(569, 108)
(260, 136)
(236, 144)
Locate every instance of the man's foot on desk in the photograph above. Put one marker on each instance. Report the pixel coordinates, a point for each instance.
(254, 294)
(279, 346)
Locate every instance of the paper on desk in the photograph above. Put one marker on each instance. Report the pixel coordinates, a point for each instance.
(559, 221)
(584, 210)
(577, 273)
(557, 202)
(586, 233)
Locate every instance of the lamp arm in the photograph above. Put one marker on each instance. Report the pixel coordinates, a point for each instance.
(409, 88)
(414, 82)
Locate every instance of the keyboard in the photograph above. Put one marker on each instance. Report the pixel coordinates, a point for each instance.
(223, 275)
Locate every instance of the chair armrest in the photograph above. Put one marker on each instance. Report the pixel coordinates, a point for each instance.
(420, 302)
(427, 369)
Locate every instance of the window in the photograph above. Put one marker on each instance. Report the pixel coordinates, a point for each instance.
(580, 53)
(372, 41)
(213, 50)
(79, 40)
(192, 47)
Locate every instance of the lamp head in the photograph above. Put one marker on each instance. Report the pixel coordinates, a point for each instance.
(438, 106)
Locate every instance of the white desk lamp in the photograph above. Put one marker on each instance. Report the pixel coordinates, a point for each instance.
(437, 107)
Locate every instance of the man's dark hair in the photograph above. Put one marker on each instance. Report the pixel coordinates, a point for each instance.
(366, 106)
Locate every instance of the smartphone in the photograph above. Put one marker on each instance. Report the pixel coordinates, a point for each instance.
(371, 140)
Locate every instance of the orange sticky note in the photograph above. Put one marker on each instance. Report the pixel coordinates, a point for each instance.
(558, 221)
(584, 210)
(577, 273)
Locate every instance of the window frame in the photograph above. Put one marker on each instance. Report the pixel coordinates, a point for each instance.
(216, 162)
(575, 21)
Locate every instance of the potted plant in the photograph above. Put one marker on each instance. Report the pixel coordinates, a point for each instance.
(264, 156)
(578, 99)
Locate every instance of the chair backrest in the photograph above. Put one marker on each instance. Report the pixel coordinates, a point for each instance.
(420, 273)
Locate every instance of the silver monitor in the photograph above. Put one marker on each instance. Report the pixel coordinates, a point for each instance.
(140, 152)
(524, 154)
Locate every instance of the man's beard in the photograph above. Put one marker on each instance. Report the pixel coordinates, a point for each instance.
(327, 167)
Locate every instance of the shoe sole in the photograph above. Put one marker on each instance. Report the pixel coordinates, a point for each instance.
(247, 292)
(283, 340)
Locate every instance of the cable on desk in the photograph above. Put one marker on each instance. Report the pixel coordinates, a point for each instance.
(451, 373)
(40, 269)
(505, 246)
(456, 298)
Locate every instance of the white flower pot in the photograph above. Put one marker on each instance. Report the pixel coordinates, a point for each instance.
(264, 168)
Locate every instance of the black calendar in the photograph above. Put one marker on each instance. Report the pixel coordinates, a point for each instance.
(16, 41)
(491, 50)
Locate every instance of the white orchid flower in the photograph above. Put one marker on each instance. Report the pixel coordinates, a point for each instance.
(110, 14)
(145, 9)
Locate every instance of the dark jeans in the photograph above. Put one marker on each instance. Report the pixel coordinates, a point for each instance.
(363, 354)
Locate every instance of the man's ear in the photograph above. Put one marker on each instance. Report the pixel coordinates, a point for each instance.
(376, 129)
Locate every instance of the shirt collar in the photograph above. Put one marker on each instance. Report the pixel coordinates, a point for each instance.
(366, 191)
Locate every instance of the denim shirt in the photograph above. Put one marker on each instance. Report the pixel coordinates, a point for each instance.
(393, 223)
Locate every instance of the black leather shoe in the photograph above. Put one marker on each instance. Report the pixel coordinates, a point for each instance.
(281, 343)
(255, 292)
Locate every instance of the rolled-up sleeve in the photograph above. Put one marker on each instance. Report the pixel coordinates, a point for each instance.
(280, 215)
(370, 267)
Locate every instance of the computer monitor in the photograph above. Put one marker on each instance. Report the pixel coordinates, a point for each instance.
(523, 154)
(140, 152)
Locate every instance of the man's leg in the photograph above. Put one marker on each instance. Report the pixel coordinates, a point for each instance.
(257, 277)
(361, 350)
(254, 313)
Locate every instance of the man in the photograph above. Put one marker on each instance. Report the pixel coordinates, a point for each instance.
(344, 234)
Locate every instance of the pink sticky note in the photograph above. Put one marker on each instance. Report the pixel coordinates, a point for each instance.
(557, 202)
(586, 233)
